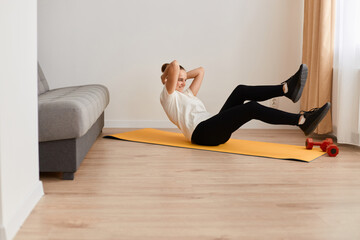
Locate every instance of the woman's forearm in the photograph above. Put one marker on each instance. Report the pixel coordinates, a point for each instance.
(195, 72)
(172, 76)
(198, 75)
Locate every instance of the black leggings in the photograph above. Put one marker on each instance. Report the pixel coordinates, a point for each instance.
(235, 113)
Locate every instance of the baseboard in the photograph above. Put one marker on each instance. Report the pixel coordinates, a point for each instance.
(9, 231)
(167, 124)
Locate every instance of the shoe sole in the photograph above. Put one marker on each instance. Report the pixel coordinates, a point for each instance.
(297, 94)
(318, 120)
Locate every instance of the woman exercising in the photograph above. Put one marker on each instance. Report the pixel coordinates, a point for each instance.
(189, 114)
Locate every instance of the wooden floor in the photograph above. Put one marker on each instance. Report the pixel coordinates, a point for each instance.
(126, 190)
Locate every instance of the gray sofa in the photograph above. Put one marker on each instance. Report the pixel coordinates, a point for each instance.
(70, 120)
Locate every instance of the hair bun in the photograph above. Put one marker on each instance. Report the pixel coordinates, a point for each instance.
(163, 67)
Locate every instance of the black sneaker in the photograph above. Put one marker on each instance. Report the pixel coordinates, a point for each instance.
(296, 83)
(313, 118)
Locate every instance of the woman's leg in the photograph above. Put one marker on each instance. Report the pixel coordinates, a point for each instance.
(218, 129)
(291, 88)
(243, 93)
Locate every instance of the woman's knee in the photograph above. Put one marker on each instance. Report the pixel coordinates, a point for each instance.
(252, 107)
(240, 88)
(256, 110)
(252, 104)
(239, 93)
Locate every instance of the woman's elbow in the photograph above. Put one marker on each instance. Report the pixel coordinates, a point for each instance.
(202, 70)
(174, 63)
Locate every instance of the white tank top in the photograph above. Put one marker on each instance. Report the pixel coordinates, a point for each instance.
(184, 110)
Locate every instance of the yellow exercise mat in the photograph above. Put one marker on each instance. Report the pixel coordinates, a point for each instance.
(237, 146)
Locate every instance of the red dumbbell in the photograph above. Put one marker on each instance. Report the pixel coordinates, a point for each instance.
(326, 146)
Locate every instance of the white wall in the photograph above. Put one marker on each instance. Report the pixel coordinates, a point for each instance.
(20, 188)
(122, 44)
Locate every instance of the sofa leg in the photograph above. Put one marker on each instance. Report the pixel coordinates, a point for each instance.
(68, 176)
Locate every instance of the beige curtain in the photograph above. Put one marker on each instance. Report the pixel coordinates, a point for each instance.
(318, 42)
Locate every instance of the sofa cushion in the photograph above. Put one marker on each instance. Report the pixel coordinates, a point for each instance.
(42, 83)
(66, 113)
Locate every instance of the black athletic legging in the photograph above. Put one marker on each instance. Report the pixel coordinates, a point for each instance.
(235, 113)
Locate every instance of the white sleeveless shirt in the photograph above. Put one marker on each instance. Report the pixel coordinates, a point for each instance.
(184, 110)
